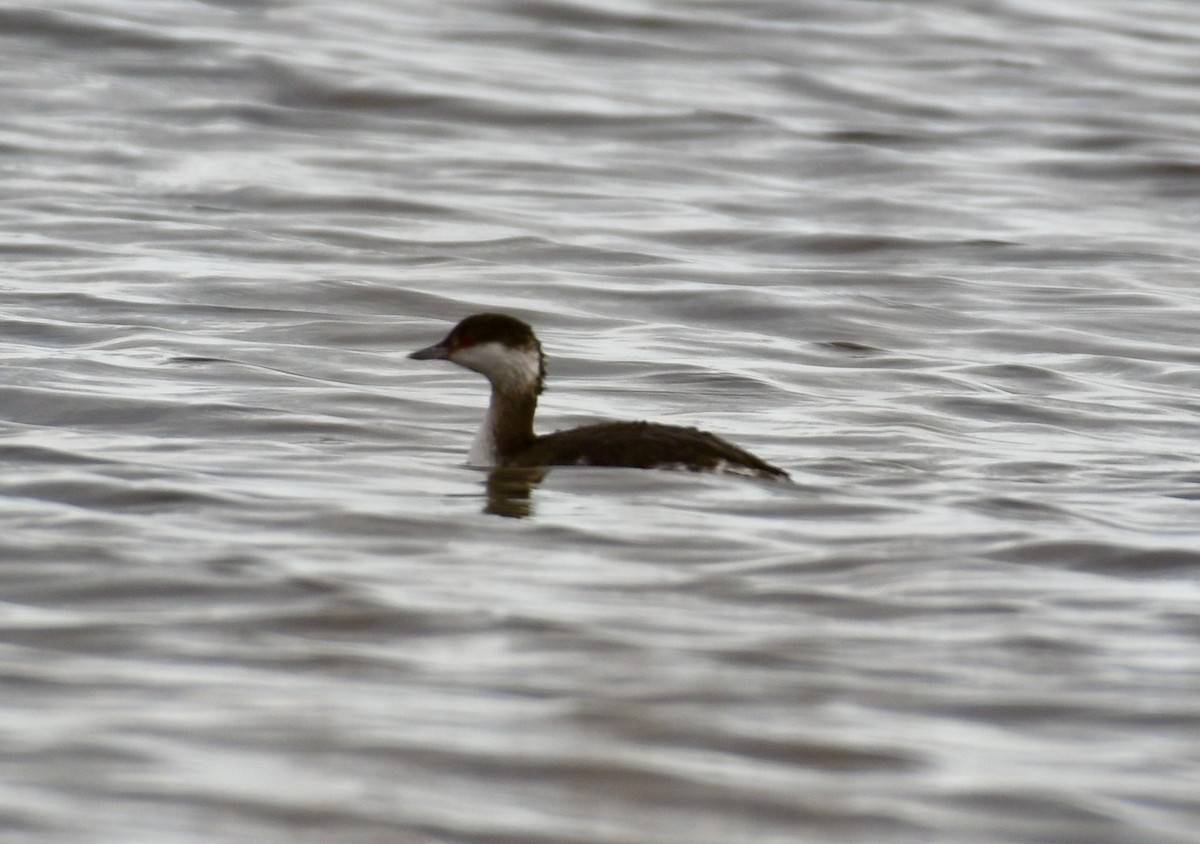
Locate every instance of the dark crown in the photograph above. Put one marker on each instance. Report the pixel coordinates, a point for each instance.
(498, 328)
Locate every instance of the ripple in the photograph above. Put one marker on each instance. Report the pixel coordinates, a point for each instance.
(937, 260)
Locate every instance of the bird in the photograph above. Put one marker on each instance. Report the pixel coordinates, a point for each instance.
(507, 352)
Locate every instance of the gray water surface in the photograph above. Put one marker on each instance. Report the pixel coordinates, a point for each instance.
(937, 260)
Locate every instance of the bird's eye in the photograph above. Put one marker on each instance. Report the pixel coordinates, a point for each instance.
(464, 341)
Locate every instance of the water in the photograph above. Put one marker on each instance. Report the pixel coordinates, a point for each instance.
(937, 260)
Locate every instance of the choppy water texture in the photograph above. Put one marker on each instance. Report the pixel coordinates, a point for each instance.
(938, 260)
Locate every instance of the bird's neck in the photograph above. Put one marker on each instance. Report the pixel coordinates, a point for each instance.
(507, 428)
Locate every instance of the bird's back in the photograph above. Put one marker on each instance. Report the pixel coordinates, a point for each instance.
(642, 445)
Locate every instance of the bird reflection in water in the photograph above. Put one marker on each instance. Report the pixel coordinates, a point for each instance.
(509, 491)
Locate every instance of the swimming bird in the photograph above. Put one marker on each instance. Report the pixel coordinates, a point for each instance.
(505, 350)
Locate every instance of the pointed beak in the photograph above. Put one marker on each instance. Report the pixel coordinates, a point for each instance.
(434, 352)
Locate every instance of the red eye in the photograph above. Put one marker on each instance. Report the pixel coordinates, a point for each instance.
(464, 341)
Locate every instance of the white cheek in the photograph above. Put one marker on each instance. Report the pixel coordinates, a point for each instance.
(508, 369)
(485, 357)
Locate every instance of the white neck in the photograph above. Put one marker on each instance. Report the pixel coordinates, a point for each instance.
(483, 452)
(515, 375)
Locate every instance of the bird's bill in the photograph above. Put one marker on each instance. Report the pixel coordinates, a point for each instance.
(435, 352)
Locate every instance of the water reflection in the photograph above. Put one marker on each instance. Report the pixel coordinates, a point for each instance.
(509, 491)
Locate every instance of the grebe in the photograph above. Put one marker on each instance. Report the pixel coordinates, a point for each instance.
(506, 351)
